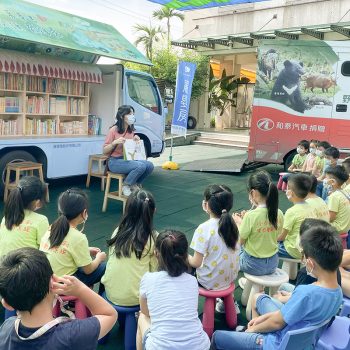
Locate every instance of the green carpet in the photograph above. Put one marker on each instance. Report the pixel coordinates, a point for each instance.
(178, 196)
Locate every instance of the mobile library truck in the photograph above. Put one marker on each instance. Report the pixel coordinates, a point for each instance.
(54, 95)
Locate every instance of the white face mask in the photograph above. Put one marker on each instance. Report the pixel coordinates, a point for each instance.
(130, 119)
(308, 270)
(288, 194)
(204, 206)
(319, 153)
(313, 150)
(300, 150)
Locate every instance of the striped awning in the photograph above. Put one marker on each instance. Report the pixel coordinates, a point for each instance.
(23, 63)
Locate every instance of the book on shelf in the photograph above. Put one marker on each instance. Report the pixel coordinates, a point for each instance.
(36, 104)
(94, 125)
(37, 84)
(58, 105)
(9, 104)
(75, 106)
(9, 81)
(67, 87)
(8, 127)
(74, 127)
(37, 126)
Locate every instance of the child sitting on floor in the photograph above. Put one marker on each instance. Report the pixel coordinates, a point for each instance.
(66, 247)
(216, 253)
(308, 305)
(169, 300)
(339, 199)
(260, 227)
(27, 284)
(316, 202)
(298, 188)
(131, 250)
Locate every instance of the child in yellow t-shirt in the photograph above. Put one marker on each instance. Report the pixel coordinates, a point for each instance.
(339, 199)
(346, 165)
(260, 227)
(298, 188)
(131, 250)
(21, 226)
(66, 247)
(319, 205)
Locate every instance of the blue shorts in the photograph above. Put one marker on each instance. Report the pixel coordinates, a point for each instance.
(266, 304)
(282, 251)
(257, 266)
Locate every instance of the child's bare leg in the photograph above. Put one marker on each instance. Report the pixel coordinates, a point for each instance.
(143, 324)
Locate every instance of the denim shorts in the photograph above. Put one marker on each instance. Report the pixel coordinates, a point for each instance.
(266, 304)
(282, 251)
(257, 266)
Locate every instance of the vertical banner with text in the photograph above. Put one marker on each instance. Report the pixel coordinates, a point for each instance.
(184, 79)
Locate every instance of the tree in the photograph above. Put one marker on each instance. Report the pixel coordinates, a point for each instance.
(148, 35)
(167, 13)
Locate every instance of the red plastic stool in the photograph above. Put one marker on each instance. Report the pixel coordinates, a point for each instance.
(81, 311)
(344, 237)
(281, 185)
(209, 307)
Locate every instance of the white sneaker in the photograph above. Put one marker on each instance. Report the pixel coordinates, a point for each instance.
(220, 306)
(126, 190)
(238, 311)
(242, 282)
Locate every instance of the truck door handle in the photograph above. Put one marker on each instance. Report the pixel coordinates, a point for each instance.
(341, 108)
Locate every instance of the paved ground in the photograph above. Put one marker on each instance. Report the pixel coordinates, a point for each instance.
(178, 196)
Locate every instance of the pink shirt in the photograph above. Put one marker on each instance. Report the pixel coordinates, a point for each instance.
(112, 135)
(310, 162)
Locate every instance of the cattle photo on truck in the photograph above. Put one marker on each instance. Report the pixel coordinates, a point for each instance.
(302, 92)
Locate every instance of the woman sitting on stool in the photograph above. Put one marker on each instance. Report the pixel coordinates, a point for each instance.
(135, 170)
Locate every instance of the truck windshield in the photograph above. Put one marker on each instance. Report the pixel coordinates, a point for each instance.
(143, 91)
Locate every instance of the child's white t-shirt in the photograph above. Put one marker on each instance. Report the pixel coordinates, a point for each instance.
(173, 307)
(220, 264)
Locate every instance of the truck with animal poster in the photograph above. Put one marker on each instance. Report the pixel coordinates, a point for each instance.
(302, 92)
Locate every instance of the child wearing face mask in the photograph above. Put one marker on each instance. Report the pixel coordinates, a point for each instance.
(21, 226)
(259, 228)
(310, 160)
(298, 188)
(66, 247)
(319, 161)
(339, 199)
(136, 171)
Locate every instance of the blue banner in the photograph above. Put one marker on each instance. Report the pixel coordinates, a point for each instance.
(184, 79)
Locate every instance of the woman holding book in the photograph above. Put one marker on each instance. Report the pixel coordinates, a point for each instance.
(136, 171)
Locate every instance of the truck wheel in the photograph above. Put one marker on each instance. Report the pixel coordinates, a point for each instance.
(288, 161)
(12, 157)
(191, 122)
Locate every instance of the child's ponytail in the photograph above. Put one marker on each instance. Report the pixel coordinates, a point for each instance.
(28, 190)
(71, 204)
(220, 201)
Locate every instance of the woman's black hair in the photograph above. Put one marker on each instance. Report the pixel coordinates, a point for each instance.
(261, 182)
(119, 119)
(28, 190)
(220, 201)
(136, 226)
(172, 252)
(71, 204)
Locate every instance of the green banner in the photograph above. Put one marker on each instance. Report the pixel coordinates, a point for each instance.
(32, 24)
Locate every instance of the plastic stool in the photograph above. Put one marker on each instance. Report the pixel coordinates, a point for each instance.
(345, 309)
(344, 240)
(209, 307)
(127, 313)
(281, 185)
(81, 311)
(336, 336)
(255, 284)
(290, 266)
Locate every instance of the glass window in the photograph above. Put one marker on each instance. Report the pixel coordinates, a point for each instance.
(345, 68)
(143, 91)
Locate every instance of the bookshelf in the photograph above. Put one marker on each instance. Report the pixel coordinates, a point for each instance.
(41, 106)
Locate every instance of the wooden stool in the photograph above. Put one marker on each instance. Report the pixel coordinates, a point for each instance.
(117, 195)
(19, 168)
(290, 266)
(100, 159)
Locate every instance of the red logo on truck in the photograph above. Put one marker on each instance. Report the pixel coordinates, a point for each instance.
(265, 124)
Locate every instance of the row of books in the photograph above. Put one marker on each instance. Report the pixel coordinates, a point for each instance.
(41, 127)
(8, 127)
(37, 84)
(72, 127)
(75, 106)
(9, 104)
(67, 87)
(36, 104)
(9, 81)
(58, 105)
(94, 125)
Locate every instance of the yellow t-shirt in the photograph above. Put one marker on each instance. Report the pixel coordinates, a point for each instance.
(339, 203)
(27, 235)
(347, 188)
(293, 219)
(320, 208)
(123, 275)
(72, 253)
(298, 160)
(260, 235)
